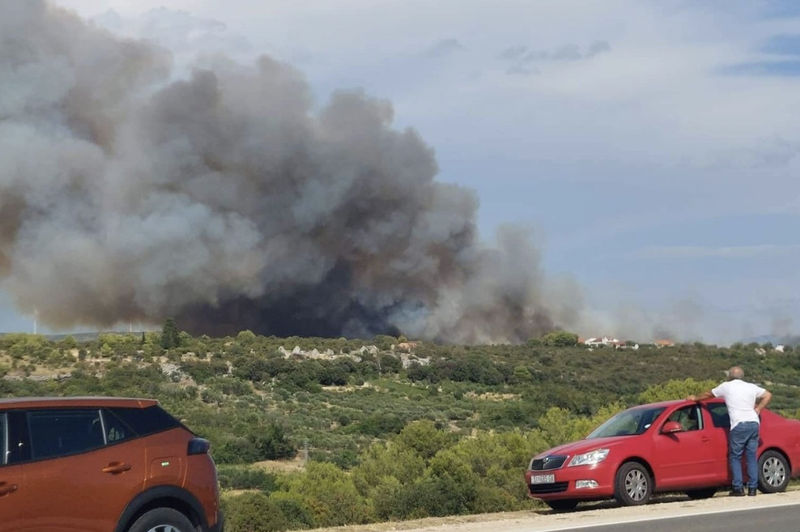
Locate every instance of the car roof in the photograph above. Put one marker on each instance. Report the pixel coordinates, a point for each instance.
(57, 402)
(675, 402)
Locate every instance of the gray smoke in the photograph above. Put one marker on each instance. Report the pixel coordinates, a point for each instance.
(227, 201)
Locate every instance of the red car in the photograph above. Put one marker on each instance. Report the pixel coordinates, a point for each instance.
(661, 447)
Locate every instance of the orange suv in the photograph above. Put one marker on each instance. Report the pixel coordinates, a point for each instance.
(101, 465)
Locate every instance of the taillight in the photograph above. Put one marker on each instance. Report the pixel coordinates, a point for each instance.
(198, 446)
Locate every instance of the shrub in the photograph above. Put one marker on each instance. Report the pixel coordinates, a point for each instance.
(330, 495)
(246, 478)
(253, 512)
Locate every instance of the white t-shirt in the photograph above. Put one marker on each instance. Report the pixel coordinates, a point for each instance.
(740, 397)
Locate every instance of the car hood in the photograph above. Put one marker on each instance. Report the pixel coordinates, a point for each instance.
(585, 446)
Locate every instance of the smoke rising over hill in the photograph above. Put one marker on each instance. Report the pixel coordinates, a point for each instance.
(229, 201)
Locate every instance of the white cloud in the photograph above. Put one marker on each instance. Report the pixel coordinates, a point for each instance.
(712, 252)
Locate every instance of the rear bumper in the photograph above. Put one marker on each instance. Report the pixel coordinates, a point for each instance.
(220, 526)
(565, 481)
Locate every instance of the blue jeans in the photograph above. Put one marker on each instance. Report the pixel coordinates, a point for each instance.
(744, 439)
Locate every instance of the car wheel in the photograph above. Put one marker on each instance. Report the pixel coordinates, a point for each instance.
(705, 493)
(562, 506)
(633, 485)
(773, 472)
(162, 520)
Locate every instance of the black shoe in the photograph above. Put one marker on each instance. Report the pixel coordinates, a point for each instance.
(737, 493)
(752, 492)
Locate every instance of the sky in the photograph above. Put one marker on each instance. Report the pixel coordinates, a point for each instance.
(652, 146)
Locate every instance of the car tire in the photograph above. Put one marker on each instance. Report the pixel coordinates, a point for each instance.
(773, 472)
(162, 520)
(633, 485)
(563, 505)
(705, 493)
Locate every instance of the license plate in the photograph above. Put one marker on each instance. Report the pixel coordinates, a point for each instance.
(543, 479)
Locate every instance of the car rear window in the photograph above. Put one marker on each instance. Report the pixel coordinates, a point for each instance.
(64, 432)
(145, 421)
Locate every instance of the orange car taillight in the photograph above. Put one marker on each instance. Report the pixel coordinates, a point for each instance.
(198, 446)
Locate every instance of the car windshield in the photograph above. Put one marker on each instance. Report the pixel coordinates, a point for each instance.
(631, 422)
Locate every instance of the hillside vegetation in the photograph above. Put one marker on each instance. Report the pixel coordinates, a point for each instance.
(311, 432)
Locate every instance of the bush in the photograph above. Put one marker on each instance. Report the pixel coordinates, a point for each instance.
(330, 495)
(253, 512)
(424, 439)
(378, 425)
(675, 389)
(246, 478)
(270, 443)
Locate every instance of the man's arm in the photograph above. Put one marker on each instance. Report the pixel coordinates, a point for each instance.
(703, 396)
(763, 401)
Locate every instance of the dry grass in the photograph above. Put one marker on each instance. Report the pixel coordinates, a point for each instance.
(282, 466)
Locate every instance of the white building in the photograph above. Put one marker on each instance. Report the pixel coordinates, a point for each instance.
(602, 341)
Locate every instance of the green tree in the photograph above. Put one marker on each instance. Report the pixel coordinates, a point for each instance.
(69, 342)
(384, 342)
(170, 338)
(106, 351)
(560, 339)
(424, 438)
(521, 375)
(246, 337)
(272, 443)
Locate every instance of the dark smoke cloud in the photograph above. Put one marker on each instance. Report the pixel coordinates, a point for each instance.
(227, 200)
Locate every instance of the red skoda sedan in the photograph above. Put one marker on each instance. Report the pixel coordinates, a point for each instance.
(661, 447)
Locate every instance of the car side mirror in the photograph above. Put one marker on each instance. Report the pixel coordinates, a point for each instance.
(671, 427)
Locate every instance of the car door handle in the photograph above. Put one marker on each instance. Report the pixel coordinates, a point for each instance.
(705, 440)
(7, 489)
(115, 468)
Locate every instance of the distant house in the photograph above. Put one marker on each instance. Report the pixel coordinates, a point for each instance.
(663, 343)
(779, 348)
(603, 341)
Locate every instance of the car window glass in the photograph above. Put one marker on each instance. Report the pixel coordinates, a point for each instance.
(629, 422)
(145, 421)
(3, 439)
(19, 449)
(116, 430)
(63, 432)
(688, 417)
(719, 415)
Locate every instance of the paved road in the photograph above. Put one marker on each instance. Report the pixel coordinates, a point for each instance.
(773, 519)
(779, 512)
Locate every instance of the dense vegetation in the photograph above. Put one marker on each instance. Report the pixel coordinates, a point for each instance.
(392, 429)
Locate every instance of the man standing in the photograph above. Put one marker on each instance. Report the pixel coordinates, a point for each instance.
(745, 401)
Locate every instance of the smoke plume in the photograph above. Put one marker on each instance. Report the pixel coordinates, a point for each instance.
(228, 200)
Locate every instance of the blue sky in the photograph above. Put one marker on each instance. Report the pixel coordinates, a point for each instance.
(652, 146)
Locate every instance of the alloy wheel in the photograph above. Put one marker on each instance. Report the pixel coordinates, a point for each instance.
(164, 528)
(774, 472)
(636, 485)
